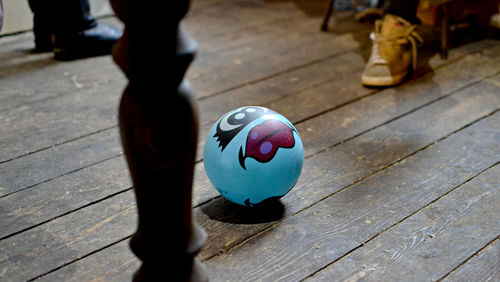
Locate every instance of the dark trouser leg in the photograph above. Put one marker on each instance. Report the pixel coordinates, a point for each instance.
(58, 16)
(406, 9)
(62, 15)
(159, 129)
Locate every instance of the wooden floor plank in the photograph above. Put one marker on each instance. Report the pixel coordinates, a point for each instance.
(115, 263)
(249, 19)
(484, 266)
(238, 67)
(324, 82)
(286, 84)
(323, 179)
(53, 199)
(49, 78)
(42, 71)
(34, 127)
(65, 239)
(77, 153)
(313, 238)
(356, 159)
(374, 115)
(57, 161)
(80, 115)
(379, 108)
(299, 83)
(212, 23)
(18, 63)
(432, 242)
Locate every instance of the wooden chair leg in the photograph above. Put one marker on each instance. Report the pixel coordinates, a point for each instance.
(444, 31)
(159, 129)
(326, 19)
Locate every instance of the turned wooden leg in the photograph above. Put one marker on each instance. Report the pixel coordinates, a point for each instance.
(1, 15)
(159, 130)
(444, 31)
(326, 19)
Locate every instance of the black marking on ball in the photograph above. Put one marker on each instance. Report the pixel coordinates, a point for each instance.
(229, 126)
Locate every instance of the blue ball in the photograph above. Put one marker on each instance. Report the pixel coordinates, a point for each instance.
(253, 154)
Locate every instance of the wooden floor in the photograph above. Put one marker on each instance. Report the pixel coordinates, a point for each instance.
(398, 184)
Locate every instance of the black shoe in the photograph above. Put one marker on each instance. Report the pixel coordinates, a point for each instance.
(43, 36)
(43, 43)
(95, 41)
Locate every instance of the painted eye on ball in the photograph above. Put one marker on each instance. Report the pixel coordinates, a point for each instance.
(232, 123)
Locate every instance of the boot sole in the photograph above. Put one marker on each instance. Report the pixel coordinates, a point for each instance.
(383, 80)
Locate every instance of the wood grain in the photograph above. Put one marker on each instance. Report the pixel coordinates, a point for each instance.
(52, 199)
(62, 240)
(433, 241)
(58, 161)
(484, 266)
(115, 263)
(379, 108)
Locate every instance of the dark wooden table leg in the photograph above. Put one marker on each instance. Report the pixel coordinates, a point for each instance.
(1, 15)
(326, 19)
(444, 31)
(159, 130)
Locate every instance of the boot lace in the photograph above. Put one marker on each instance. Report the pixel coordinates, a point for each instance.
(388, 41)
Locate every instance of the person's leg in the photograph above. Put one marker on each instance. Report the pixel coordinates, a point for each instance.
(68, 27)
(42, 24)
(395, 42)
(405, 9)
(58, 16)
(73, 15)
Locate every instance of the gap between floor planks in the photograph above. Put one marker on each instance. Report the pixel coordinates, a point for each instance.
(456, 224)
(484, 264)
